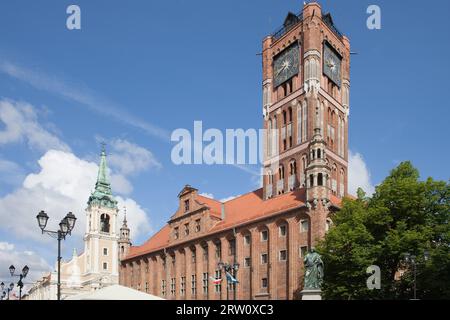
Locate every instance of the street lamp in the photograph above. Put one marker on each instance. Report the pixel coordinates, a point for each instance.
(8, 290)
(412, 260)
(21, 276)
(66, 226)
(231, 277)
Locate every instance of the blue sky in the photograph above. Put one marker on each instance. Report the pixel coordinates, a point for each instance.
(139, 69)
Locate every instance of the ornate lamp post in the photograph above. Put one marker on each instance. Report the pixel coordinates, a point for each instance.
(8, 290)
(412, 260)
(230, 273)
(65, 228)
(21, 276)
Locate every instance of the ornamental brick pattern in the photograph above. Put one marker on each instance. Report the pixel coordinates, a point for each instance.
(266, 231)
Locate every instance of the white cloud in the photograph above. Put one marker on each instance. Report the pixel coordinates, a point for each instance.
(358, 174)
(5, 246)
(129, 158)
(63, 184)
(21, 124)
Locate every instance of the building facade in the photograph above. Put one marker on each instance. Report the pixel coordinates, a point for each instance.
(98, 265)
(267, 231)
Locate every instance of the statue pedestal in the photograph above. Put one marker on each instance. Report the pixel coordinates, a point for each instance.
(311, 294)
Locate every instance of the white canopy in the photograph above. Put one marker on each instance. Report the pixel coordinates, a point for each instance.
(114, 292)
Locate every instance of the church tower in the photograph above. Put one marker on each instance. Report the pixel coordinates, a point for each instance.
(124, 240)
(101, 237)
(306, 84)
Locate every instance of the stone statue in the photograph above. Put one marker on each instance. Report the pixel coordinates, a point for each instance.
(313, 270)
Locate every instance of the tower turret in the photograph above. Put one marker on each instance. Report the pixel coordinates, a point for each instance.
(124, 240)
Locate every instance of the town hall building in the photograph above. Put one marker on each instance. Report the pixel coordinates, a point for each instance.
(266, 232)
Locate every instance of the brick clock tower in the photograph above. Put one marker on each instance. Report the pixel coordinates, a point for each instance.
(306, 82)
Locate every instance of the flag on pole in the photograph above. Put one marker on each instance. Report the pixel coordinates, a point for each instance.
(215, 281)
(231, 279)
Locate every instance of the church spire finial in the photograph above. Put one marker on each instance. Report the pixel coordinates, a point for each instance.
(124, 215)
(102, 172)
(103, 193)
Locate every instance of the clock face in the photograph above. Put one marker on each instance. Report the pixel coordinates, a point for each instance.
(332, 64)
(286, 65)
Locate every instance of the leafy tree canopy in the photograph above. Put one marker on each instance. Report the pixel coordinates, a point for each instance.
(403, 215)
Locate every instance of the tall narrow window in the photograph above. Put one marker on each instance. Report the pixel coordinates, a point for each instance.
(205, 282)
(269, 139)
(299, 124)
(104, 223)
(186, 205)
(305, 120)
(194, 285)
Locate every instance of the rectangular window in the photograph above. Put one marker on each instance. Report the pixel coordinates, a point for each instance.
(232, 247)
(247, 240)
(205, 282)
(264, 283)
(163, 288)
(176, 233)
(146, 287)
(205, 253)
(218, 250)
(197, 225)
(247, 262)
(264, 235)
(194, 285)
(218, 286)
(303, 251)
(105, 266)
(172, 286)
(186, 229)
(105, 251)
(264, 258)
(183, 286)
(304, 226)
(194, 256)
(283, 255)
(186, 205)
(283, 230)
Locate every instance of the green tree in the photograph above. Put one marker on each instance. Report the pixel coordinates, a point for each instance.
(404, 215)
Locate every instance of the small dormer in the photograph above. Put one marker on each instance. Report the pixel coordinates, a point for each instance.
(290, 21)
(186, 198)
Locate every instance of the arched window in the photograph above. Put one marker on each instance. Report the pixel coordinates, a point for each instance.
(318, 154)
(281, 172)
(320, 179)
(269, 138)
(311, 180)
(292, 167)
(269, 177)
(104, 223)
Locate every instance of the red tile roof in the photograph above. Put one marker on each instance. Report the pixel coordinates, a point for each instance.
(238, 211)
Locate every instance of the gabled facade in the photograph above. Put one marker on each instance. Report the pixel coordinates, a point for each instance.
(267, 231)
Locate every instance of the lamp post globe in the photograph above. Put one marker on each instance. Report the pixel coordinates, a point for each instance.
(42, 219)
(12, 269)
(25, 271)
(71, 219)
(63, 226)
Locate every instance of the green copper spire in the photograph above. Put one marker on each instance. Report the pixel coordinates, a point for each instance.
(102, 195)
